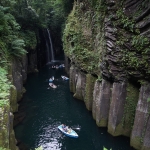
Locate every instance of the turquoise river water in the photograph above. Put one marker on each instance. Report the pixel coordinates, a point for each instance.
(47, 108)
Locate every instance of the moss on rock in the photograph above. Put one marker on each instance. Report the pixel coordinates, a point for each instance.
(72, 79)
(102, 123)
(136, 142)
(4, 130)
(13, 99)
(130, 108)
(82, 42)
(90, 81)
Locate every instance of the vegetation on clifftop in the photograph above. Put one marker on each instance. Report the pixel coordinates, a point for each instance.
(82, 42)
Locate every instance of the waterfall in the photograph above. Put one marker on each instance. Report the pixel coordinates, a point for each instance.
(51, 47)
(48, 55)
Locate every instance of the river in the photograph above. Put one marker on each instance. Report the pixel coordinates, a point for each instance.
(47, 108)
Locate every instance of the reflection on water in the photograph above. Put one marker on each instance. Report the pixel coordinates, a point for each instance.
(47, 108)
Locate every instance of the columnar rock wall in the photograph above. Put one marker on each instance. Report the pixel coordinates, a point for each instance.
(140, 137)
(120, 107)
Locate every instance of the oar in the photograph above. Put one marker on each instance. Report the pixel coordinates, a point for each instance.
(76, 128)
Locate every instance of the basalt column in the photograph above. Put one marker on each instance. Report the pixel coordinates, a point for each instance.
(140, 137)
(117, 108)
(103, 97)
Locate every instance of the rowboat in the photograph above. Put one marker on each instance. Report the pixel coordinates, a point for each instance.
(65, 78)
(69, 132)
(61, 66)
(52, 85)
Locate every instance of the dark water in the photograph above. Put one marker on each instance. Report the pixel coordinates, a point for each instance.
(48, 108)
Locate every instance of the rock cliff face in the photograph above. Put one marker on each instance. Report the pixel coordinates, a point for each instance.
(17, 74)
(108, 45)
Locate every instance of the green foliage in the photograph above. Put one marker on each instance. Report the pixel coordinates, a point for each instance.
(8, 24)
(8, 3)
(26, 14)
(148, 100)
(141, 43)
(142, 82)
(10, 43)
(17, 48)
(124, 21)
(80, 36)
(56, 17)
(1, 148)
(135, 46)
(105, 148)
(4, 87)
(30, 39)
(99, 78)
(3, 103)
(35, 14)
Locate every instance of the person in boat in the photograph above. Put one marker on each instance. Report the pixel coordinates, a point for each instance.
(61, 66)
(66, 129)
(50, 80)
(65, 78)
(53, 67)
(69, 130)
(63, 126)
(51, 84)
(57, 67)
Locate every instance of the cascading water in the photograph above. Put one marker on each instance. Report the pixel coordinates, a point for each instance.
(51, 46)
(48, 55)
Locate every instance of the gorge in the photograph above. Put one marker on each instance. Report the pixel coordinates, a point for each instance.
(106, 46)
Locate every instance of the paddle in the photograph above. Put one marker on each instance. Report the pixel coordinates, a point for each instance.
(76, 128)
